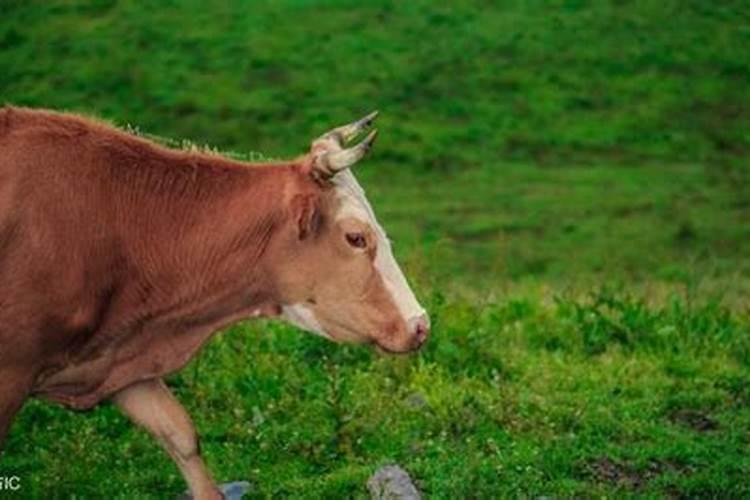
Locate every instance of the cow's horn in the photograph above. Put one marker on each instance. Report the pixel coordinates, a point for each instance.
(346, 133)
(329, 163)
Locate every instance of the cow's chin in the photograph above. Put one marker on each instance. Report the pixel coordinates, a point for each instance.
(390, 348)
(344, 333)
(389, 351)
(348, 336)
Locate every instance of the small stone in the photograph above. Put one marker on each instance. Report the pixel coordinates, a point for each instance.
(417, 401)
(234, 491)
(391, 482)
(231, 491)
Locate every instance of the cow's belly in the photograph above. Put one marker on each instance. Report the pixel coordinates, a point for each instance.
(74, 384)
(151, 352)
(85, 383)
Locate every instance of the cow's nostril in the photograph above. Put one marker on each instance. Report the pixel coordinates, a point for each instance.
(420, 327)
(421, 332)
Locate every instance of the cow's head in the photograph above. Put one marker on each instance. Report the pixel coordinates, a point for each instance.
(340, 278)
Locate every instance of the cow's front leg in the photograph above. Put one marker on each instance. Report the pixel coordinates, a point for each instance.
(152, 405)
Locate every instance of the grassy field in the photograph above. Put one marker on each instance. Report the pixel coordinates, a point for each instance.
(566, 184)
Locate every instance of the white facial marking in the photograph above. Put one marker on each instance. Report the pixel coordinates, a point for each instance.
(302, 317)
(355, 204)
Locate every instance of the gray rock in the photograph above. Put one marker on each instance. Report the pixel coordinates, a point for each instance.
(231, 491)
(391, 482)
(417, 401)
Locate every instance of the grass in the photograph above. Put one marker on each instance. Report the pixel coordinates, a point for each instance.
(603, 396)
(566, 184)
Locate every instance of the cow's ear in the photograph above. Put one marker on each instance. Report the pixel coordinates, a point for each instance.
(306, 214)
(307, 167)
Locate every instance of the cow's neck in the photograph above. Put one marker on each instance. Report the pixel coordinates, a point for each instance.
(209, 242)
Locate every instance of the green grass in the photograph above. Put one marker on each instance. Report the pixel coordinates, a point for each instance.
(517, 396)
(565, 182)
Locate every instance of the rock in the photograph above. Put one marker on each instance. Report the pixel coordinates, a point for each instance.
(417, 401)
(234, 491)
(231, 491)
(392, 483)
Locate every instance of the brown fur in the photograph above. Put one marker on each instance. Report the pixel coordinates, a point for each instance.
(119, 258)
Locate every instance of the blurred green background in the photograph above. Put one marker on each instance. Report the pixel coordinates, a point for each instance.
(566, 184)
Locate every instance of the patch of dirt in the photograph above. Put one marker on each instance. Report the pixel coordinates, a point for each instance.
(625, 475)
(608, 471)
(695, 419)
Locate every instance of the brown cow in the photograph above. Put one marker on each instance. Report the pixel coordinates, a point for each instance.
(119, 258)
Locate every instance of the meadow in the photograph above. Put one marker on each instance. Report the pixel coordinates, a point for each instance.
(566, 185)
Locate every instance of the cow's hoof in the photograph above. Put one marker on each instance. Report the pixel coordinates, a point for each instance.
(231, 491)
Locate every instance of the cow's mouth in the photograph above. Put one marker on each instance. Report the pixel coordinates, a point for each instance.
(382, 349)
(339, 331)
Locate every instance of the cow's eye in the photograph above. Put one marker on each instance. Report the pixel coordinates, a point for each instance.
(357, 240)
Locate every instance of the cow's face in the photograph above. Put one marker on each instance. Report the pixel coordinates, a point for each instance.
(342, 280)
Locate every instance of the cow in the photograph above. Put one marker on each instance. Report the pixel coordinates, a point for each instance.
(119, 258)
